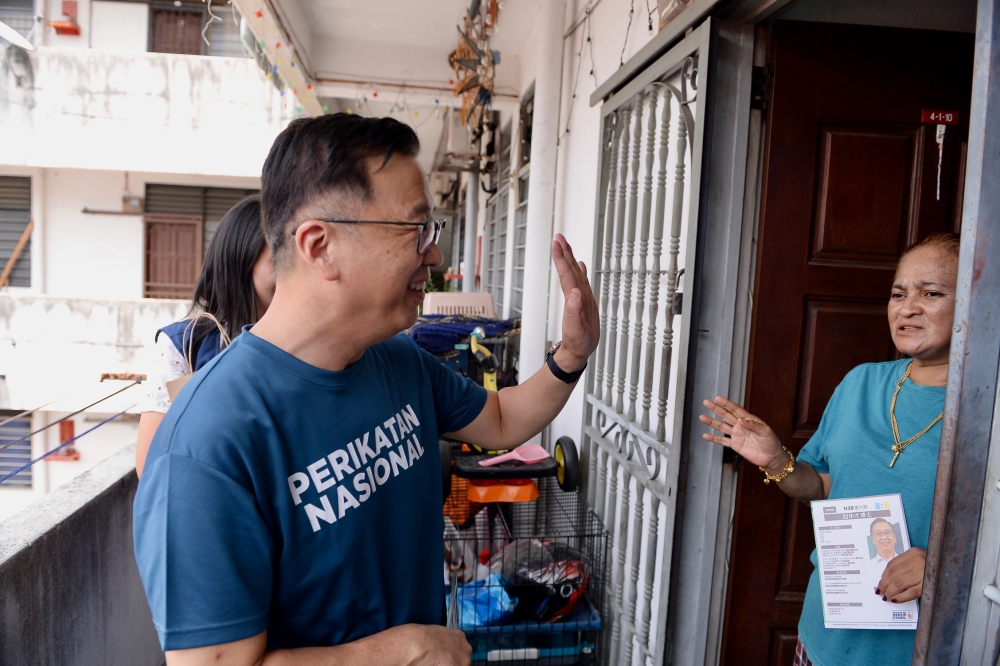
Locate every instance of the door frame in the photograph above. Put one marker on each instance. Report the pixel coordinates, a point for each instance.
(717, 360)
(722, 295)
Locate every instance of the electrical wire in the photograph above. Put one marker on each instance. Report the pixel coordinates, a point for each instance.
(64, 444)
(68, 416)
(585, 40)
(29, 412)
(212, 18)
(628, 29)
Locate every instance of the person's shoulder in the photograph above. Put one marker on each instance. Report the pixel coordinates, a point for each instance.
(173, 332)
(221, 385)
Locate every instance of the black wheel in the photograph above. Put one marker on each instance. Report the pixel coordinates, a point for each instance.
(568, 474)
(445, 448)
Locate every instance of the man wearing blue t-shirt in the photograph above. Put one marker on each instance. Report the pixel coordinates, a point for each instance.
(290, 510)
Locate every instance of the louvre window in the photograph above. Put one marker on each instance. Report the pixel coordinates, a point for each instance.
(520, 236)
(14, 456)
(180, 223)
(15, 213)
(177, 29)
(18, 14)
(496, 226)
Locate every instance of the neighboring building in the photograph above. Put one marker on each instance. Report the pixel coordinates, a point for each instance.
(126, 137)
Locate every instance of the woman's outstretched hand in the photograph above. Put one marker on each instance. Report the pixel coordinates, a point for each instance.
(744, 433)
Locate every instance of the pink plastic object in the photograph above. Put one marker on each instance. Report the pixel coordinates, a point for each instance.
(526, 453)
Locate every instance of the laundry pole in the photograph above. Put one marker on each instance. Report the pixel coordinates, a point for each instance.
(542, 188)
(471, 227)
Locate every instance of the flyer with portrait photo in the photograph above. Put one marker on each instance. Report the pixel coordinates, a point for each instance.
(855, 540)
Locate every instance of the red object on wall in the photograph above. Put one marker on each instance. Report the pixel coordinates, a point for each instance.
(67, 431)
(70, 27)
(938, 117)
(69, 9)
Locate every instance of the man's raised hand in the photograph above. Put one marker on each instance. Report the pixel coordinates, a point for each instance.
(581, 322)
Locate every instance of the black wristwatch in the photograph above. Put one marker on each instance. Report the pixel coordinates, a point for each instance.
(559, 373)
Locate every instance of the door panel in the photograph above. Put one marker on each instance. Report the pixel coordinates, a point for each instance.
(850, 179)
(837, 336)
(863, 207)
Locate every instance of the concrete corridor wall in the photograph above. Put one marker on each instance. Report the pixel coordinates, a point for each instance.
(69, 587)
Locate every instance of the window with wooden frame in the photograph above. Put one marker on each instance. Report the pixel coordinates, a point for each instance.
(177, 28)
(180, 222)
(15, 234)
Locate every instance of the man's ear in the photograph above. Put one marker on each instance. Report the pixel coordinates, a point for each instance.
(314, 246)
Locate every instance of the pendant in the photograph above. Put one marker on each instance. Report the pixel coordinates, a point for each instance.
(896, 449)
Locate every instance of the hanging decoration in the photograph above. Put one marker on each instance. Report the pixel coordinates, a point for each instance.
(473, 60)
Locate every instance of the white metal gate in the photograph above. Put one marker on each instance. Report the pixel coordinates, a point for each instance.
(644, 259)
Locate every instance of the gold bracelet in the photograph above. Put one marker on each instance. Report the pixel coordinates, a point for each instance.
(786, 470)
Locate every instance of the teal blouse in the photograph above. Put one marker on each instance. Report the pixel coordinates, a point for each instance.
(853, 445)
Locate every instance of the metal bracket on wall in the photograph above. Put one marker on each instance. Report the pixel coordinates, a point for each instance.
(760, 88)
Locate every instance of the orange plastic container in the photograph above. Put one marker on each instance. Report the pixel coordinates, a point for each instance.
(507, 490)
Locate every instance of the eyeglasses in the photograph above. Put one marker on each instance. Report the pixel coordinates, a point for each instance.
(882, 533)
(428, 233)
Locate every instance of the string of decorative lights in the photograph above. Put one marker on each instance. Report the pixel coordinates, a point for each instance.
(628, 29)
(587, 40)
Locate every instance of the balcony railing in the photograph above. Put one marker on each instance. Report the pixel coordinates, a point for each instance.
(69, 587)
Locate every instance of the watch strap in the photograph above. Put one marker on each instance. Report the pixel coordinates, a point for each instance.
(559, 373)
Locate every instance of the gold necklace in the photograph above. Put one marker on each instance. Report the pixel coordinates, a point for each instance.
(898, 447)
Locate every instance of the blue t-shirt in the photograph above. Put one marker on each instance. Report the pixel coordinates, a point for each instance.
(854, 446)
(280, 496)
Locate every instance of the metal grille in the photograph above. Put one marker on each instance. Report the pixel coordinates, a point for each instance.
(218, 201)
(19, 18)
(15, 455)
(504, 532)
(15, 213)
(224, 35)
(520, 235)
(647, 207)
(500, 256)
(489, 259)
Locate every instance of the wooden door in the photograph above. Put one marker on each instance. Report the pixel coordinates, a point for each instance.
(850, 179)
(173, 255)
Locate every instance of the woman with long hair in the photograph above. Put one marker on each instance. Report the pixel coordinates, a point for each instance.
(234, 289)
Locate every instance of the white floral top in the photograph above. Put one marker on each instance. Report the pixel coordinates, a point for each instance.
(166, 364)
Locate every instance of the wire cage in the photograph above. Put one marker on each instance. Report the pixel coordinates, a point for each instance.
(526, 581)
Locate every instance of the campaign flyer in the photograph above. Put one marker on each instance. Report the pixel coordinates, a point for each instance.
(856, 538)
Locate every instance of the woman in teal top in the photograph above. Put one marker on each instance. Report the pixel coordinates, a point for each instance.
(879, 435)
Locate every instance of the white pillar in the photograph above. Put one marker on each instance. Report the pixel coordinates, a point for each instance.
(471, 229)
(541, 187)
